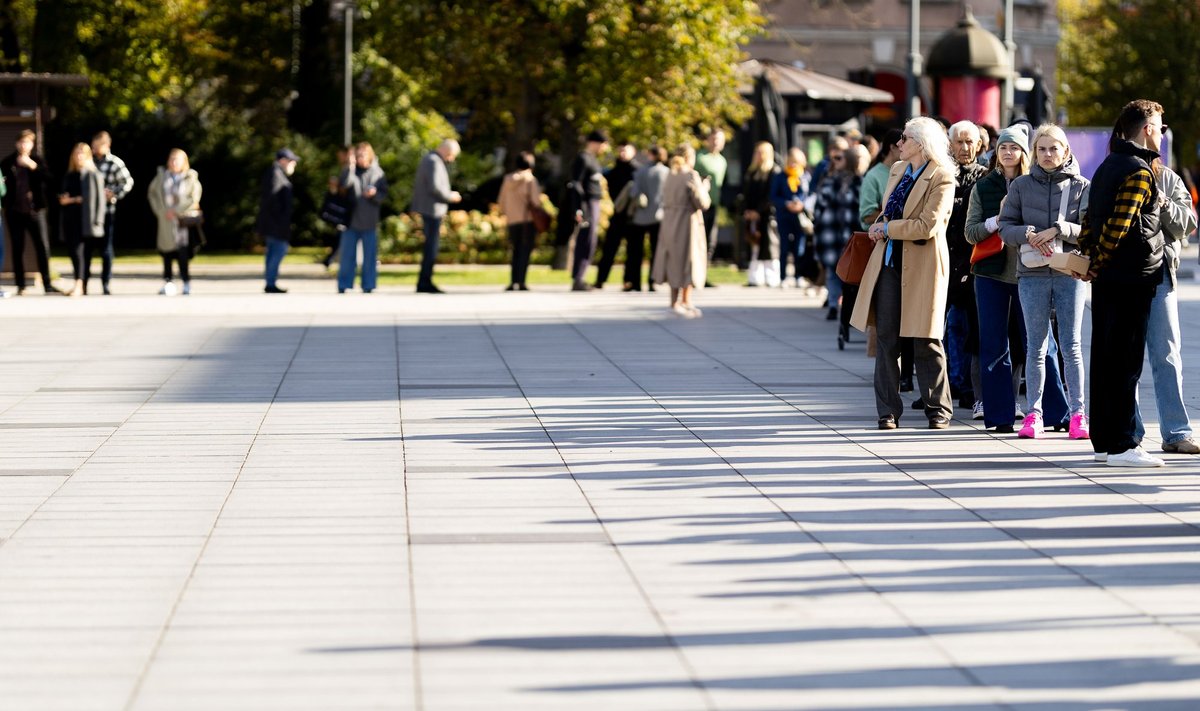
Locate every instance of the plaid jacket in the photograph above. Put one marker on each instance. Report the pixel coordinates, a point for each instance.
(116, 178)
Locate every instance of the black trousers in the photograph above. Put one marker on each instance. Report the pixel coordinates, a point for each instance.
(635, 252)
(82, 252)
(1120, 313)
(522, 235)
(710, 229)
(618, 227)
(169, 258)
(33, 224)
(585, 241)
(929, 358)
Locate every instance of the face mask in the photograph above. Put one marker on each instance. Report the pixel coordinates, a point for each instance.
(289, 168)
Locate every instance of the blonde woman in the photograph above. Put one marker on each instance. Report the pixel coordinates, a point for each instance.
(83, 208)
(681, 260)
(1041, 214)
(910, 239)
(174, 192)
(758, 217)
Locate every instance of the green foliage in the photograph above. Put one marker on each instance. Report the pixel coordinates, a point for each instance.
(467, 238)
(1114, 51)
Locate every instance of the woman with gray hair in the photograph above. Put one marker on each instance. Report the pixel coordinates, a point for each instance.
(910, 240)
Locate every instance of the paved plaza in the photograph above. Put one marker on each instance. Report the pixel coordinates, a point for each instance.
(552, 501)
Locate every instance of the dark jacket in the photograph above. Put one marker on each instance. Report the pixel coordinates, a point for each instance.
(356, 181)
(956, 241)
(431, 190)
(275, 204)
(83, 219)
(40, 183)
(1139, 254)
(586, 178)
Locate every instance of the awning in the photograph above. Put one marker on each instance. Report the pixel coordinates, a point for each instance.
(792, 81)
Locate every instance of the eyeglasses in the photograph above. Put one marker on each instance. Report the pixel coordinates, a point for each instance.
(837, 157)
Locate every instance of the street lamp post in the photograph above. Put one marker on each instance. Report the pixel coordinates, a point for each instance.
(914, 59)
(348, 69)
(1006, 110)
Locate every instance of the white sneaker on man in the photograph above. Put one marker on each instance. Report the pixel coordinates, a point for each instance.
(168, 289)
(1100, 456)
(977, 411)
(187, 288)
(1136, 457)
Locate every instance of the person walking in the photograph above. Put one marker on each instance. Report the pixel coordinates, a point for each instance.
(81, 215)
(1121, 235)
(789, 190)
(25, 202)
(835, 219)
(431, 199)
(117, 184)
(275, 214)
(713, 166)
(760, 229)
(174, 193)
(647, 219)
(910, 240)
(520, 194)
(1041, 215)
(366, 188)
(585, 190)
(682, 258)
(619, 180)
(1178, 220)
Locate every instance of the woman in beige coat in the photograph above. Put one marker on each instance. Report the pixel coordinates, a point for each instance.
(519, 195)
(174, 192)
(681, 259)
(903, 291)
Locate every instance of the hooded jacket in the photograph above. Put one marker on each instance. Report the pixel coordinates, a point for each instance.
(1034, 200)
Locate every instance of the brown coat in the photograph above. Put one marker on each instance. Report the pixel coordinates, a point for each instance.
(518, 193)
(925, 268)
(682, 256)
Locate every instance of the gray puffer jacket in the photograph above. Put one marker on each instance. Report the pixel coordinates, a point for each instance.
(1034, 200)
(1177, 217)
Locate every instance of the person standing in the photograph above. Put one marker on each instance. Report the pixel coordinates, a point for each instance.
(431, 198)
(519, 195)
(647, 219)
(28, 182)
(275, 214)
(1121, 236)
(758, 217)
(174, 192)
(81, 217)
(789, 190)
(1163, 339)
(117, 184)
(682, 258)
(711, 165)
(619, 180)
(365, 188)
(962, 325)
(903, 291)
(586, 189)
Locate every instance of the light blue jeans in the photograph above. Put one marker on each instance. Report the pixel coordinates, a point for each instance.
(348, 264)
(1162, 348)
(1066, 295)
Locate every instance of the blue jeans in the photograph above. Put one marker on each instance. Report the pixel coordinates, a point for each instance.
(791, 243)
(349, 261)
(276, 250)
(1166, 364)
(1066, 296)
(833, 286)
(958, 360)
(432, 226)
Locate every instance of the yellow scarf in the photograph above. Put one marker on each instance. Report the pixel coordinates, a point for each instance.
(793, 176)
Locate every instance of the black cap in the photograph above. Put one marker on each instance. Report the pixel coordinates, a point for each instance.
(597, 136)
(286, 153)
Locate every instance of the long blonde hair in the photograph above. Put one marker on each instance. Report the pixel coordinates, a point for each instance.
(76, 165)
(763, 160)
(684, 158)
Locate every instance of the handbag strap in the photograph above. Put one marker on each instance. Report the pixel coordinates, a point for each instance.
(1063, 201)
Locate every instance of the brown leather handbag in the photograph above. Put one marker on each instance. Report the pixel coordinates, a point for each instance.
(853, 262)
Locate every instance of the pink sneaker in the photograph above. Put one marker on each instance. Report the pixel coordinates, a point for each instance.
(1031, 427)
(1079, 427)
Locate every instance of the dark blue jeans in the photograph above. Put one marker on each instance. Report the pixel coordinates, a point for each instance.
(432, 227)
(107, 253)
(277, 249)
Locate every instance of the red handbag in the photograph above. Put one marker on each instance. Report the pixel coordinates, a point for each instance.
(987, 248)
(853, 262)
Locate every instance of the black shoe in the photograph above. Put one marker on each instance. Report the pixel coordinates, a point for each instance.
(709, 285)
(919, 404)
(597, 286)
(650, 288)
(1003, 429)
(888, 422)
(938, 422)
(580, 286)
(107, 291)
(1064, 426)
(906, 385)
(51, 289)
(522, 287)
(831, 314)
(274, 290)
(511, 287)
(429, 289)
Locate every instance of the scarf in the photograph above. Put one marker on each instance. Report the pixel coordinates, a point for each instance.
(793, 177)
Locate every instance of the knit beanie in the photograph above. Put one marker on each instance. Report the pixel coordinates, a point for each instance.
(1018, 134)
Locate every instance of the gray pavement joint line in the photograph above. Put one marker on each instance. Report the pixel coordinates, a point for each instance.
(67, 479)
(166, 625)
(418, 690)
(664, 628)
(966, 673)
(1156, 619)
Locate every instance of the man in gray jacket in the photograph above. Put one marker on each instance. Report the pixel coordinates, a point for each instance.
(431, 195)
(1178, 220)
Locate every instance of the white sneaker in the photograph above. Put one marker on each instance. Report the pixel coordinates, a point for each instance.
(168, 289)
(1136, 457)
(5, 294)
(187, 288)
(977, 411)
(1101, 456)
(1018, 415)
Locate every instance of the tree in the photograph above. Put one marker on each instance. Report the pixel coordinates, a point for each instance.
(1114, 51)
(526, 72)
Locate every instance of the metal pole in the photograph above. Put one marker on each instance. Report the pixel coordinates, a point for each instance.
(1006, 108)
(914, 59)
(347, 115)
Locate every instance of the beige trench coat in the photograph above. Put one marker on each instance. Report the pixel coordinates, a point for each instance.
(925, 268)
(682, 255)
(190, 200)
